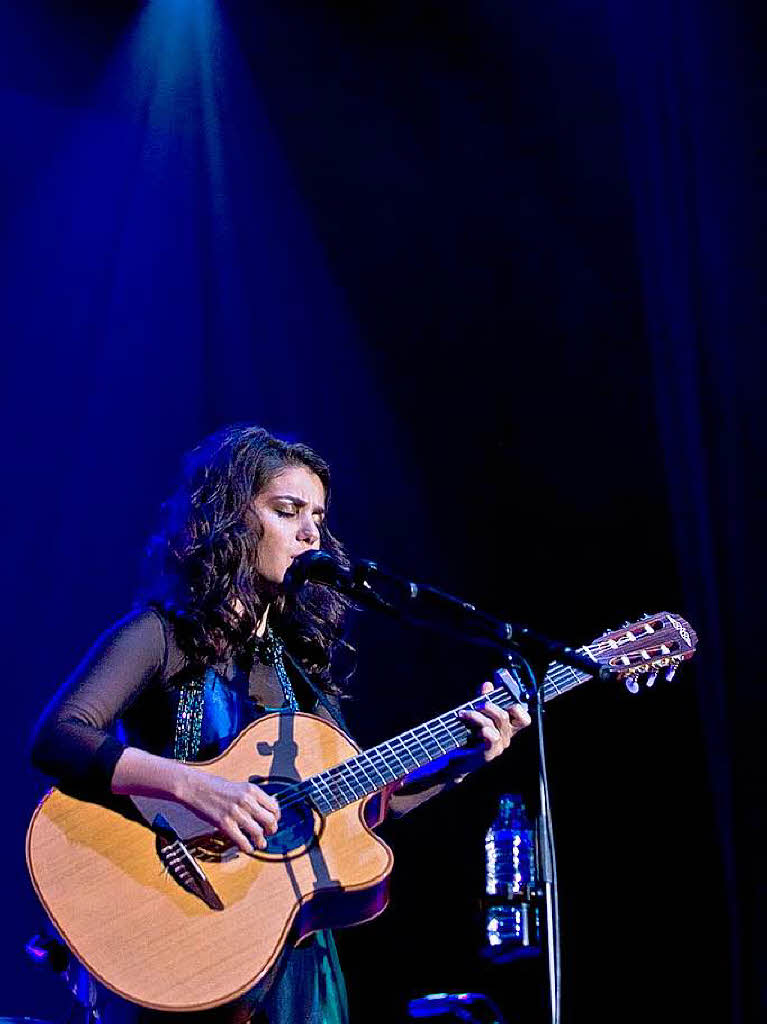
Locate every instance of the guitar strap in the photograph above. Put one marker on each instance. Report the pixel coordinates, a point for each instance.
(334, 712)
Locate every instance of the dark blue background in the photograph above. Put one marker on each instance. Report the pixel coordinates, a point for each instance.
(498, 262)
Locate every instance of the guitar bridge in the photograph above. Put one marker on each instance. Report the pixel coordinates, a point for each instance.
(181, 865)
(214, 849)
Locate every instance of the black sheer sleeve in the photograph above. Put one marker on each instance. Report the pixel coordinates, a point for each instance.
(74, 740)
(407, 797)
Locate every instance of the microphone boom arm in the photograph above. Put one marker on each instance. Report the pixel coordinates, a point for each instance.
(427, 606)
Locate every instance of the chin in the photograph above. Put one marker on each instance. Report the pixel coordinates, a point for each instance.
(271, 585)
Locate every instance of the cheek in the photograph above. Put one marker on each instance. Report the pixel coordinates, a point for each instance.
(264, 538)
(275, 535)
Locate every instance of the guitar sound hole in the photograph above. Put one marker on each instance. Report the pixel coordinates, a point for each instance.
(296, 827)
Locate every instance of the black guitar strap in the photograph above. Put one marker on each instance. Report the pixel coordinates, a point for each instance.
(334, 712)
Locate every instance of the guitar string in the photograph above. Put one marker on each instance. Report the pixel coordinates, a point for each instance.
(559, 679)
(348, 772)
(344, 773)
(449, 723)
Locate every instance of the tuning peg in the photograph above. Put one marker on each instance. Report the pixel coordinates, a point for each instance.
(671, 671)
(651, 677)
(632, 685)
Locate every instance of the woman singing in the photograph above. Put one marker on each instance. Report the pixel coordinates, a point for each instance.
(214, 644)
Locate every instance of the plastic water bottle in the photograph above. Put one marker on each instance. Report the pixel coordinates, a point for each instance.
(511, 914)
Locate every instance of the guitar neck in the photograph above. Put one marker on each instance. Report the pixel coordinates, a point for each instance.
(370, 771)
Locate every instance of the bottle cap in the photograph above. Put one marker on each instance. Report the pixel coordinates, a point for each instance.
(509, 801)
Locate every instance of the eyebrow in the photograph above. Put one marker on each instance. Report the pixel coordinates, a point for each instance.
(297, 501)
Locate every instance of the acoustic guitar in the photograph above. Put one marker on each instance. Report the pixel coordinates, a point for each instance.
(176, 918)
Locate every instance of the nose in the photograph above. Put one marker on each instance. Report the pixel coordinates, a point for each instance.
(309, 531)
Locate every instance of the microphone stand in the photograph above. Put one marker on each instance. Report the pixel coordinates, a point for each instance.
(546, 854)
(426, 606)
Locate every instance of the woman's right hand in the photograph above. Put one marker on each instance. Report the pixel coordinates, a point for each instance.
(241, 810)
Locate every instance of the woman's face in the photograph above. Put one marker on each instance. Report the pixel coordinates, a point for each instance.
(289, 510)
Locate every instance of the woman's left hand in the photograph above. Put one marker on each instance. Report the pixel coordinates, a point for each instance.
(493, 730)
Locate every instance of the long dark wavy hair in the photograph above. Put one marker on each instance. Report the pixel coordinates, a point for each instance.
(200, 568)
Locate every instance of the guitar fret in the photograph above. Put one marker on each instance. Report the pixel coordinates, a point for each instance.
(552, 680)
(338, 788)
(371, 768)
(383, 753)
(363, 781)
(393, 753)
(340, 776)
(360, 762)
(452, 732)
(422, 745)
(331, 785)
(385, 770)
(351, 780)
(323, 800)
(404, 748)
(502, 698)
(431, 735)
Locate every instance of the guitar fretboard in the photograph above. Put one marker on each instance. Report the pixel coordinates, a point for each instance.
(372, 770)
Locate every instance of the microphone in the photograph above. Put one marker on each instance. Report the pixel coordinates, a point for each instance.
(352, 582)
(317, 567)
(372, 587)
(355, 580)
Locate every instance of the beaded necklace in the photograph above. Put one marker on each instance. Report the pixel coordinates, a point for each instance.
(191, 703)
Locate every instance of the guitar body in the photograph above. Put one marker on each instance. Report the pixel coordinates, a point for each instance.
(100, 878)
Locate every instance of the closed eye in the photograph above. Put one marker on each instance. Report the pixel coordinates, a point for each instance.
(288, 507)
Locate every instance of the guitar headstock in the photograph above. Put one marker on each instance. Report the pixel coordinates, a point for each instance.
(640, 651)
